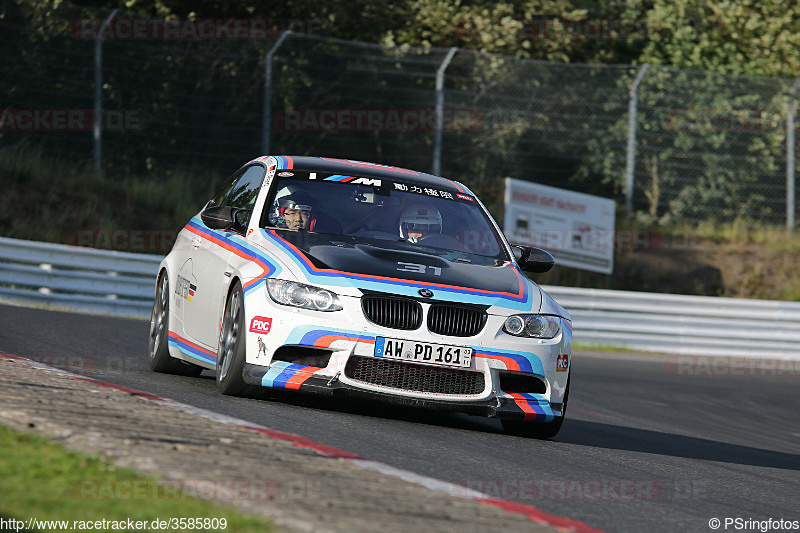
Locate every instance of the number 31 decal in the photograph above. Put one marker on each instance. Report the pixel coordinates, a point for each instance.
(419, 269)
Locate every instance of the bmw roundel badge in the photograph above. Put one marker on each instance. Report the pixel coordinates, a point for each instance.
(426, 293)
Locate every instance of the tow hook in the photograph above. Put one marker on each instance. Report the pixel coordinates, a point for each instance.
(334, 379)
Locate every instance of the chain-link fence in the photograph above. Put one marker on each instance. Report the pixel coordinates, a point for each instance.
(712, 145)
(169, 102)
(190, 96)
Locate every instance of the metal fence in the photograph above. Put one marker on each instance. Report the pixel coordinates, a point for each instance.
(668, 143)
(123, 283)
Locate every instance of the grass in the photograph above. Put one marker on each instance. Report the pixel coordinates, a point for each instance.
(43, 480)
(600, 347)
(47, 199)
(737, 232)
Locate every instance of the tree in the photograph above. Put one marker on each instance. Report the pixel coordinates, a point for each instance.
(752, 37)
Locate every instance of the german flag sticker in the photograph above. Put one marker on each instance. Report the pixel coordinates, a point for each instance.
(192, 288)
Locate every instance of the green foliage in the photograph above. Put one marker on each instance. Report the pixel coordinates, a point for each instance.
(750, 37)
(361, 20)
(553, 30)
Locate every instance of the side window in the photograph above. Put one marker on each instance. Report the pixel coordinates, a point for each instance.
(244, 192)
(241, 191)
(219, 197)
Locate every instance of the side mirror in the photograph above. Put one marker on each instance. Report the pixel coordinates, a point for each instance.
(223, 217)
(533, 259)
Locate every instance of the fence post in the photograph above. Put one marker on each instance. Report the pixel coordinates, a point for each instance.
(437, 144)
(633, 104)
(266, 116)
(98, 95)
(790, 203)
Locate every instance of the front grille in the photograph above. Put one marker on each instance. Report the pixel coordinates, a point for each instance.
(413, 377)
(455, 321)
(393, 313)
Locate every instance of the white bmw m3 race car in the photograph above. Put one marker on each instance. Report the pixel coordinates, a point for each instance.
(358, 280)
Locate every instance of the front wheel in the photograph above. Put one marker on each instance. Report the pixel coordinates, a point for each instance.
(231, 353)
(158, 348)
(537, 430)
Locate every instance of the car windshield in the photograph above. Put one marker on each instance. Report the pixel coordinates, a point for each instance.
(392, 212)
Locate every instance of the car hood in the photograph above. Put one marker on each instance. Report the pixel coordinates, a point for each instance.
(370, 265)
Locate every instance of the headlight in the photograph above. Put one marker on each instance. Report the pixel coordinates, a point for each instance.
(301, 295)
(538, 326)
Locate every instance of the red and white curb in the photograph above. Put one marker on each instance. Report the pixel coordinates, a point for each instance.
(534, 514)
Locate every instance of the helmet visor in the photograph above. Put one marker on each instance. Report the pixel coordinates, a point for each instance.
(428, 227)
(294, 205)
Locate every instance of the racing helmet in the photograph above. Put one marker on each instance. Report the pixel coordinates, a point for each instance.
(292, 199)
(420, 218)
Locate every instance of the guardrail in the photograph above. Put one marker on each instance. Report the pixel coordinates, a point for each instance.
(76, 277)
(671, 323)
(124, 283)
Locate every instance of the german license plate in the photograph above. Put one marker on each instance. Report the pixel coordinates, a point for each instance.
(423, 352)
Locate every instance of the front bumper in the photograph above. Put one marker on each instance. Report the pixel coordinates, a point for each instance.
(521, 406)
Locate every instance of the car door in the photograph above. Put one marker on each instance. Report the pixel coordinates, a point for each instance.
(212, 258)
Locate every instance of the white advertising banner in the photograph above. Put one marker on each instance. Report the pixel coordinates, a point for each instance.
(577, 228)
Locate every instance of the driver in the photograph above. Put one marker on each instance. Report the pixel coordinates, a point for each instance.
(419, 222)
(296, 211)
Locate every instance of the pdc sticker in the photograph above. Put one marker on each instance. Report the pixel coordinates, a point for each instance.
(260, 324)
(562, 363)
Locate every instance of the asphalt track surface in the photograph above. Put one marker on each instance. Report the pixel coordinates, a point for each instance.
(651, 443)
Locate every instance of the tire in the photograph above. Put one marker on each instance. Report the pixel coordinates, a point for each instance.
(231, 352)
(158, 347)
(537, 430)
